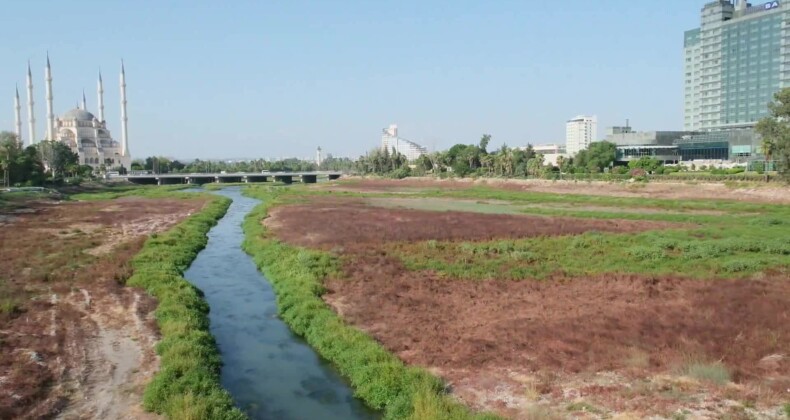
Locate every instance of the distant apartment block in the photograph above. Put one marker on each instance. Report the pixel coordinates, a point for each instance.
(580, 132)
(410, 149)
(734, 63)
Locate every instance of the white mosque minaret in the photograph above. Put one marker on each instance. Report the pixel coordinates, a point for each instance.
(31, 118)
(124, 118)
(18, 117)
(50, 114)
(85, 134)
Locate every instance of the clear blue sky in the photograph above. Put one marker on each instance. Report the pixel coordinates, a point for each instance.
(279, 78)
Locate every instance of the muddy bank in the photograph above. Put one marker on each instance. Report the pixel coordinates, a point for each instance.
(76, 343)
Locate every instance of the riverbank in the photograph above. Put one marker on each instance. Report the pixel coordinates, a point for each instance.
(187, 385)
(270, 372)
(77, 343)
(378, 377)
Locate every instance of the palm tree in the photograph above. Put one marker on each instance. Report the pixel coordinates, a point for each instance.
(560, 163)
(769, 148)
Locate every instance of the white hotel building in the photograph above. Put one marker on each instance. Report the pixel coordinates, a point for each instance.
(580, 132)
(390, 140)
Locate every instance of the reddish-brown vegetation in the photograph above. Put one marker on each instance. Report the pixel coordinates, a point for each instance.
(65, 312)
(619, 341)
(330, 222)
(630, 324)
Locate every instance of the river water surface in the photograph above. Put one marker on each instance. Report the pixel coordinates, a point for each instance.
(270, 372)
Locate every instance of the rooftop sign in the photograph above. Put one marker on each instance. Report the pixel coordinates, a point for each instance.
(763, 7)
(770, 5)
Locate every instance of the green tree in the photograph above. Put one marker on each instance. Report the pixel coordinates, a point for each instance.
(20, 166)
(775, 132)
(57, 157)
(9, 153)
(598, 156)
(645, 162)
(484, 141)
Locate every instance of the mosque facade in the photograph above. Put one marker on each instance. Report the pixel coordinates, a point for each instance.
(85, 133)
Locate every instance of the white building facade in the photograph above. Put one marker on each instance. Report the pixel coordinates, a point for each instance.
(86, 134)
(410, 149)
(580, 132)
(551, 153)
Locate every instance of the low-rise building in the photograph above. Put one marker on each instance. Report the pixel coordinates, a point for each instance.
(736, 145)
(633, 145)
(551, 153)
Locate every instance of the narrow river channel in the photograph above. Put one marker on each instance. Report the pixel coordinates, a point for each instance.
(270, 372)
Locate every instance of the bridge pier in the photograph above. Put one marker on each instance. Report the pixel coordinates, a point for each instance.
(198, 180)
(253, 178)
(226, 179)
(285, 179)
(309, 179)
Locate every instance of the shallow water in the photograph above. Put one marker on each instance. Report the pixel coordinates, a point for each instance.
(270, 372)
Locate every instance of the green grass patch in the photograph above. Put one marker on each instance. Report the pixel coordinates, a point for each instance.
(723, 249)
(187, 385)
(147, 191)
(378, 377)
(715, 373)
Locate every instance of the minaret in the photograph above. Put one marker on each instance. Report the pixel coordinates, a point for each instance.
(31, 118)
(18, 117)
(50, 114)
(84, 102)
(101, 98)
(124, 118)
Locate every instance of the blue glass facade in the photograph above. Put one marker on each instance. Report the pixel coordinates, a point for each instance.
(750, 68)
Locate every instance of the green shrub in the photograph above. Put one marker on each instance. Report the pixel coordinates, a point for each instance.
(187, 385)
(739, 265)
(647, 253)
(715, 373)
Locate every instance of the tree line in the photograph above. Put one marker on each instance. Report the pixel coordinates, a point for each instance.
(39, 164)
(163, 165)
(475, 160)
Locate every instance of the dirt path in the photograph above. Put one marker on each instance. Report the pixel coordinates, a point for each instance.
(118, 361)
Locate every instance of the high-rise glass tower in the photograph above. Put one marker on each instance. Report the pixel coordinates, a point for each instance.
(734, 63)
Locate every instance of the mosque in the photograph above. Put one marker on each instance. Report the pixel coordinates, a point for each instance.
(86, 134)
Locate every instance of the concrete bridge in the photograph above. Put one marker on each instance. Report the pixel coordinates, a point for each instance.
(205, 178)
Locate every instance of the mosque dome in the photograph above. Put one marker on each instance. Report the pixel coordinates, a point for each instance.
(78, 115)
